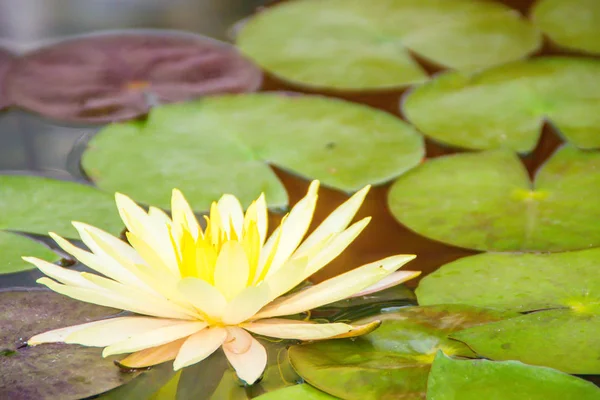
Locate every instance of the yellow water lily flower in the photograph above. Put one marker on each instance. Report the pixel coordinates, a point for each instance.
(198, 290)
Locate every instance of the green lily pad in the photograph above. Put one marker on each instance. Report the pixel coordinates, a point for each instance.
(224, 144)
(297, 392)
(506, 106)
(574, 24)
(36, 204)
(394, 360)
(13, 247)
(356, 45)
(519, 282)
(510, 380)
(566, 340)
(485, 201)
(50, 371)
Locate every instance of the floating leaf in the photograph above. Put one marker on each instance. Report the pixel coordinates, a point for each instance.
(394, 360)
(297, 392)
(5, 61)
(510, 380)
(574, 24)
(356, 45)
(485, 201)
(50, 371)
(13, 247)
(222, 145)
(566, 339)
(520, 282)
(38, 205)
(506, 106)
(117, 76)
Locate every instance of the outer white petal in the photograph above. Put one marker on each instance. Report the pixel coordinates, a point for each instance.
(63, 275)
(300, 330)
(337, 221)
(199, 346)
(250, 365)
(335, 289)
(389, 281)
(153, 355)
(59, 335)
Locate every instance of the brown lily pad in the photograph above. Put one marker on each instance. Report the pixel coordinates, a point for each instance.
(118, 76)
(5, 61)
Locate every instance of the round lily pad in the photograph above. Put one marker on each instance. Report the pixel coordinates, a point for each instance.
(574, 24)
(119, 75)
(36, 204)
(485, 201)
(452, 379)
(519, 282)
(506, 106)
(394, 360)
(223, 144)
(50, 371)
(5, 61)
(14, 246)
(358, 45)
(297, 392)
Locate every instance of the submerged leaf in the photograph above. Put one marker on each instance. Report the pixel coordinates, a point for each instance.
(14, 246)
(35, 204)
(356, 45)
(392, 361)
(506, 106)
(485, 201)
(297, 392)
(574, 24)
(116, 76)
(223, 144)
(510, 380)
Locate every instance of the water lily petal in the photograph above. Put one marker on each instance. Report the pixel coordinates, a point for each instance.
(199, 346)
(290, 275)
(359, 330)
(232, 214)
(250, 365)
(153, 355)
(116, 330)
(59, 335)
(183, 216)
(232, 270)
(155, 337)
(262, 218)
(300, 330)
(238, 340)
(159, 216)
(334, 289)
(63, 275)
(391, 280)
(247, 303)
(336, 222)
(203, 296)
(99, 241)
(294, 227)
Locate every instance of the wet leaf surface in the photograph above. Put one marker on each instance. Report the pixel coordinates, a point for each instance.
(38, 205)
(5, 62)
(14, 246)
(117, 76)
(394, 360)
(574, 24)
(50, 371)
(223, 144)
(298, 392)
(357, 45)
(506, 106)
(510, 380)
(485, 201)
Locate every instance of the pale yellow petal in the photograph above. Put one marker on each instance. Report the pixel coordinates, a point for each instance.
(134, 217)
(335, 289)
(337, 221)
(99, 241)
(247, 303)
(153, 355)
(199, 346)
(231, 213)
(238, 340)
(300, 330)
(262, 217)
(389, 281)
(59, 335)
(294, 227)
(183, 215)
(63, 275)
(149, 255)
(290, 275)
(159, 216)
(250, 365)
(231, 270)
(116, 330)
(155, 337)
(203, 296)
